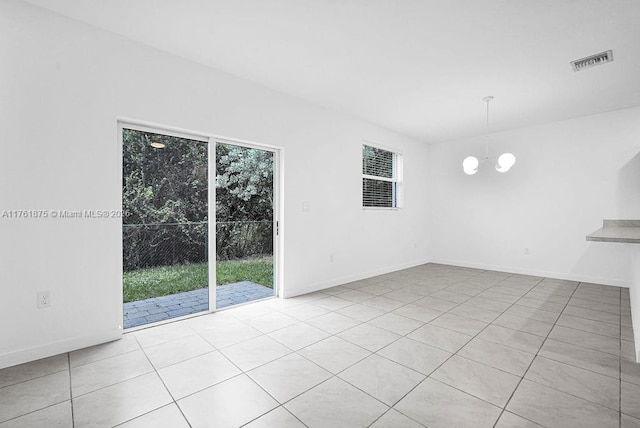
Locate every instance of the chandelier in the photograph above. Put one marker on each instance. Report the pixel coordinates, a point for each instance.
(504, 163)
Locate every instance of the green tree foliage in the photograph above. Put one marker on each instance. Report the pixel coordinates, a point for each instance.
(165, 196)
(165, 193)
(244, 201)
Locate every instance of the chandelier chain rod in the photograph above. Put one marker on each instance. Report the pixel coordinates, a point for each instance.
(487, 136)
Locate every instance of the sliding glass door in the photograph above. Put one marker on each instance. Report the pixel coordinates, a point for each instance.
(165, 191)
(246, 226)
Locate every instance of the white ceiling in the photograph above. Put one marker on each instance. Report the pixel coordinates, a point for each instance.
(419, 67)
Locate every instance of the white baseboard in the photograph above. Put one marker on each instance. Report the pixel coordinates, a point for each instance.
(55, 348)
(357, 277)
(616, 282)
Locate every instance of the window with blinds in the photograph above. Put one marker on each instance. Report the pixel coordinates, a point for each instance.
(381, 178)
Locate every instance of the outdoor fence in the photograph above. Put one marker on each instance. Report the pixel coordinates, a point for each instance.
(163, 244)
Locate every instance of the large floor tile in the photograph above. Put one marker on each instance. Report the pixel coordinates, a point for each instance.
(305, 311)
(597, 296)
(460, 324)
(288, 376)
(480, 380)
(591, 326)
(121, 402)
(356, 295)
(197, 373)
(246, 312)
(442, 338)
(333, 323)
(165, 417)
(229, 404)
(335, 403)
(58, 415)
(381, 378)
(127, 343)
(96, 375)
(33, 369)
(599, 342)
(629, 422)
(582, 383)
(255, 352)
(384, 303)
(175, 351)
(527, 325)
(22, 398)
(299, 335)
(451, 296)
(552, 408)
(334, 354)
(375, 289)
(436, 405)
(585, 358)
(436, 304)
(369, 337)
(362, 313)
(403, 296)
(509, 420)
(597, 305)
(630, 401)
(541, 304)
(490, 304)
(499, 297)
(211, 320)
(271, 322)
(228, 335)
(332, 303)
(592, 314)
(417, 312)
(549, 296)
(474, 312)
(497, 356)
(163, 333)
(415, 355)
(512, 338)
(532, 313)
(396, 323)
(630, 371)
(278, 417)
(395, 419)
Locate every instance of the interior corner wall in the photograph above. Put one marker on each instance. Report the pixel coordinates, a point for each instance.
(63, 86)
(569, 176)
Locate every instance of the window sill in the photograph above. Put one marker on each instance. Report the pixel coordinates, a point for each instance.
(380, 209)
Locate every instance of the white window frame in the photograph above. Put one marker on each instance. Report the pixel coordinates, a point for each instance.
(397, 177)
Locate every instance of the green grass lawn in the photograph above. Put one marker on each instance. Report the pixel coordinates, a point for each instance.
(164, 280)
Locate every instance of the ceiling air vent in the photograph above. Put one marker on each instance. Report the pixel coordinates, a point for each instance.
(592, 61)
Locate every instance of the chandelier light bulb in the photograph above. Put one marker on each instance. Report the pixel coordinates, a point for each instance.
(505, 162)
(470, 165)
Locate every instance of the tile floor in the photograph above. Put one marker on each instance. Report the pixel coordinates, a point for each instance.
(435, 346)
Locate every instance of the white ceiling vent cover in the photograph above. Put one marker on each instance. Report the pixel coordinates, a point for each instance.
(592, 61)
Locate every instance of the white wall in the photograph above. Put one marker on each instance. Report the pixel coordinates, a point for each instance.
(569, 176)
(62, 86)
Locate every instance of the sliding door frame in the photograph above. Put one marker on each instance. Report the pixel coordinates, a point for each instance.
(277, 220)
(212, 140)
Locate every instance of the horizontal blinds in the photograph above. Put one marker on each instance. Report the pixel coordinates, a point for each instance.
(381, 174)
(376, 193)
(377, 162)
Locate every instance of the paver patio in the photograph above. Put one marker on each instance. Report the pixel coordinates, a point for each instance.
(189, 302)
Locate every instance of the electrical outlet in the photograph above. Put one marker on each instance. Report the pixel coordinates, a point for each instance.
(331, 258)
(527, 251)
(44, 299)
